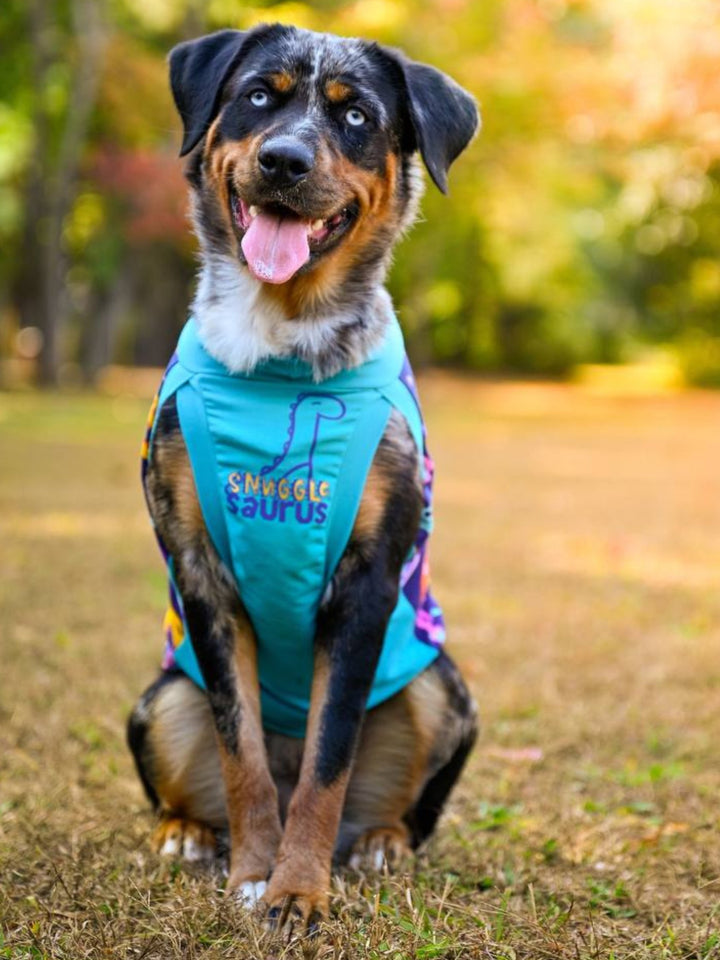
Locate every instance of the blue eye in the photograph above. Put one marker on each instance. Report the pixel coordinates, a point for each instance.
(259, 98)
(355, 117)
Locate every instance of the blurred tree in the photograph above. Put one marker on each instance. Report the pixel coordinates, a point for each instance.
(583, 224)
(64, 44)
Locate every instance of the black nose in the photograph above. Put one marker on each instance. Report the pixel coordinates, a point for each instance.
(285, 161)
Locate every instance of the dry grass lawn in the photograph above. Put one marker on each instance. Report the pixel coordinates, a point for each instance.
(577, 554)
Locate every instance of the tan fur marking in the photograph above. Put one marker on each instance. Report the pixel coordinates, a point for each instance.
(210, 136)
(251, 794)
(174, 467)
(230, 162)
(237, 160)
(336, 91)
(372, 506)
(318, 695)
(282, 82)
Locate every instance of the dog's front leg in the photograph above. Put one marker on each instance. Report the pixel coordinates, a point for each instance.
(348, 644)
(225, 647)
(350, 631)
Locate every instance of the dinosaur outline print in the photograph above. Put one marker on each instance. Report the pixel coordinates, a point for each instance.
(270, 494)
(310, 399)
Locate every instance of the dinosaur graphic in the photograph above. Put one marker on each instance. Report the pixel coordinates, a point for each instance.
(288, 485)
(306, 414)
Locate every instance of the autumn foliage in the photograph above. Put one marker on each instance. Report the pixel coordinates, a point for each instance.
(583, 223)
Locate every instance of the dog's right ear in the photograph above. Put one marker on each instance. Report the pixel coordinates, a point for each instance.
(198, 71)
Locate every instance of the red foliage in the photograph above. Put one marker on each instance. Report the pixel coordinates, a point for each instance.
(152, 189)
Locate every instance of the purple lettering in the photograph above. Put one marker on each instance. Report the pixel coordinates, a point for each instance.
(265, 509)
(250, 508)
(302, 514)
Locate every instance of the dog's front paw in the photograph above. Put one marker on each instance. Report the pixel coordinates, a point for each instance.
(185, 839)
(296, 903)
(251, 863)
(379, 848)
(247, 893)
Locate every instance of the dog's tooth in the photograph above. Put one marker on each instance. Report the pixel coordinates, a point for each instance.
(253, 211)
(317, 225)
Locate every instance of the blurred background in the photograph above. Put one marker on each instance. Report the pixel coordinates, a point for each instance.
(583, 226)
(576, 552)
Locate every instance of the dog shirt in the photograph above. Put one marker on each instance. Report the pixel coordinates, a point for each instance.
(280, 463)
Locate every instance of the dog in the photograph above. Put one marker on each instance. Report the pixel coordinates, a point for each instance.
(305, 706)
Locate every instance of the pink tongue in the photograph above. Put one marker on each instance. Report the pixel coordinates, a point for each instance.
(275, 247)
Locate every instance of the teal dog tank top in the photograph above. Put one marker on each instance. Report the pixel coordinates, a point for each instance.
(280, 463)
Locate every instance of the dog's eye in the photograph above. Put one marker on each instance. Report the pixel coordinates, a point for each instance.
(355, 117)
(259, 98)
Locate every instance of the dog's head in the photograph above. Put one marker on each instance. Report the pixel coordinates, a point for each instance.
(302, 148)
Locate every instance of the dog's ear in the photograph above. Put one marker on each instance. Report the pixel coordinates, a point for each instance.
(198, 71)
(443, 117)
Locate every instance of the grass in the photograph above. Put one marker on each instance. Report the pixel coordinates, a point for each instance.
(577, 553)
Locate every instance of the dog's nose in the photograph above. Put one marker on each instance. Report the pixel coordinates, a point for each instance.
(285, 161)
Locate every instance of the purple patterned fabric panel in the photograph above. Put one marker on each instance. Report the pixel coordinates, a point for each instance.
(415, 574)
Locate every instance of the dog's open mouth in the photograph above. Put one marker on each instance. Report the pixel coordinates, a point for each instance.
(277, 242)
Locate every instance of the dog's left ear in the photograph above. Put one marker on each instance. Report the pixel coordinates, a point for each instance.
(443, 117)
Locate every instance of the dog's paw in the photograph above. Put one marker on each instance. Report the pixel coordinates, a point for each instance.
(184, 840)
(379, 848)
(297, 914)
(246, 893)
(296, 906)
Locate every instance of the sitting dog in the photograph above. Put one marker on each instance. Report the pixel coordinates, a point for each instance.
(305, 704)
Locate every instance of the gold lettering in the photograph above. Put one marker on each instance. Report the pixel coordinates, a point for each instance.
(234, 481)
(298, 490)
(268, 487)
(283, 489)
(251, 483)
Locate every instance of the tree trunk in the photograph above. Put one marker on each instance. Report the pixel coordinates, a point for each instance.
(100, 330)
(52, 182)
(28, 285)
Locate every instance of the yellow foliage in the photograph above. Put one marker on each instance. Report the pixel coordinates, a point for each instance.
(86, 219)
(658, 373)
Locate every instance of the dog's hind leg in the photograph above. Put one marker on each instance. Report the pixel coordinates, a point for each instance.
(455, 733)
(412, 750)
(171, 735)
